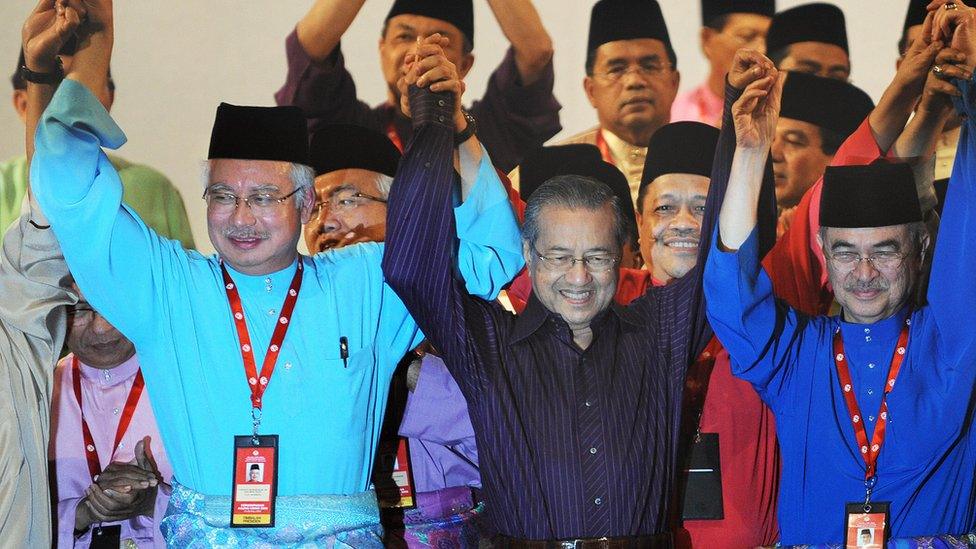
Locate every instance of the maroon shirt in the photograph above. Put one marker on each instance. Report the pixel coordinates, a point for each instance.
(512, 119)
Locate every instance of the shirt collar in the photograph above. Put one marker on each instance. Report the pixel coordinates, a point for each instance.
(111, 376)
(278, 281)
(618, 145)
(882, 330)
(535, 316)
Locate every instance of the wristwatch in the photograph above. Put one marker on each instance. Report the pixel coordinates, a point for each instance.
(468, 131)
(50, 78)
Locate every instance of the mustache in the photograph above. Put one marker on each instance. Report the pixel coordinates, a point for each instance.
(879, 285)
(240, 234)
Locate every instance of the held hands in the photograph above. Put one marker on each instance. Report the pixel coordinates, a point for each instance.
(47, 29)
(122, 491)
(426, 66)
(757, 110)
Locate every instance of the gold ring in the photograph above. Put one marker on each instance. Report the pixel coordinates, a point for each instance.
(937, 70)
(951, 6)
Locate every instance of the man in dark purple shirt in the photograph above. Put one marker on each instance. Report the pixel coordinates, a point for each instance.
(576, 402)
(517, 113)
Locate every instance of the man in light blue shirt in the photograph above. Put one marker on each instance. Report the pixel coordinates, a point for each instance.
(346, 333)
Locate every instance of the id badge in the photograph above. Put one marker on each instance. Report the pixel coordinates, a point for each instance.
(866, 526)
(255, 482)
(105, 537)
(393, 478)
(701, 478)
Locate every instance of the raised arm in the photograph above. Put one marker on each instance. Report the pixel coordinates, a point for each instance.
(951, 293)
(321, 29)
(738, 294)
(523, 27)
(421, 253)
(317, 80)
(110, 252)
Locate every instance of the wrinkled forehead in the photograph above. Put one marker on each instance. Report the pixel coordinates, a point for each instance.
(353, 179)
(576, 229)
(867, 238)
(248, 174)
(631, 51)
(679, 186)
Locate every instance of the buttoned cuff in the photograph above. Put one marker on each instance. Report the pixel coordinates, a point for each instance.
(427, 107)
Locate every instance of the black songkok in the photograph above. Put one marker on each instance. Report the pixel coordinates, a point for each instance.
(825, 102)
(713, 9)
(880, 194)
(680, 147)
(459, 13)
(342, 146)
(576, 159)
(808, 23)
(259, 133)
(915, 15)
(612, 20)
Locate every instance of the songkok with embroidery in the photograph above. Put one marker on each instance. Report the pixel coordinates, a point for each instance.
(459, 13)
(817, 22)
(680, 147)
(880, 194)
(343, 146)
(259, 133)
(612, 20)
(713, 9)
(825, 102)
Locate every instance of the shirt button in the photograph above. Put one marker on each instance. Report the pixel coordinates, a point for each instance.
(115, 410)
(870, 391)
(440, 102)
(867, 338)
(121, 445)
(440, 118)
(870, 365)
(272, 312)
(867, 330)
(592, 450)
(588, 404)
(288, 365)
(598, 501)
(870, 418)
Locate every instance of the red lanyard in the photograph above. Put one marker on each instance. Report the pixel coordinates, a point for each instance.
(601, 143)
(259, 384)
(869, 453)
(91, 453)
(394, 136)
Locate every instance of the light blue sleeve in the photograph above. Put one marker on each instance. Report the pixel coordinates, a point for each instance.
(110, 252)
(952, 292)
(758, 331)
(490, 242)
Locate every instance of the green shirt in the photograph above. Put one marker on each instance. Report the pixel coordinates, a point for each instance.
(145, 190)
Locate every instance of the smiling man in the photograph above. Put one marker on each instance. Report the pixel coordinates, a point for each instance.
(354, 169)
(631, 81)
(328, 327)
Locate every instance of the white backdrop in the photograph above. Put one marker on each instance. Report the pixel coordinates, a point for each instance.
(175, 60)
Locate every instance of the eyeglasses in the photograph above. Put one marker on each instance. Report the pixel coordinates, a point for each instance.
(81, 313)
(597, 263)
(879, 260)
(259, 203)
(652, 69)
(346, 201)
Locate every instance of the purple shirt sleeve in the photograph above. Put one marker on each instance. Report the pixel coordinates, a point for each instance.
(436, 409)
(324, 90)
(514, 119)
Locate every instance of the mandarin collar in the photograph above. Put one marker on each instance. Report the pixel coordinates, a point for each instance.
(882, 330)
(111, 376)
(277, 281)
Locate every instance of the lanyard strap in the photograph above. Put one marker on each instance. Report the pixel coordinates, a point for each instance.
(91, 453)
(601, 143)
(869, 453)
(259, 384)
(394, 136)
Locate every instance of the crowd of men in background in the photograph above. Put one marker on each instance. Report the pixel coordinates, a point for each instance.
(729, 318)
